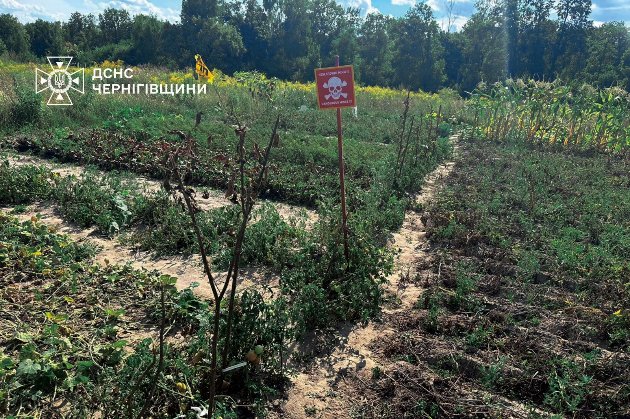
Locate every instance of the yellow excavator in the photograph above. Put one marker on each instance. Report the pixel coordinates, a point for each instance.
(201, 70)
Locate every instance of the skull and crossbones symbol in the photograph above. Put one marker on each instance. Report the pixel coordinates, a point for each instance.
(334, 86)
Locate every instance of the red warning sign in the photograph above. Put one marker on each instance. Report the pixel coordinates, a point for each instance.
(335, 87)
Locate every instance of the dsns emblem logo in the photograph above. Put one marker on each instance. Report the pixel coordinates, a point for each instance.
(60, 81)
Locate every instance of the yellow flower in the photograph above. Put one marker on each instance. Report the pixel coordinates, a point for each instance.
(175, 78)
(617, 313)
(111, 64)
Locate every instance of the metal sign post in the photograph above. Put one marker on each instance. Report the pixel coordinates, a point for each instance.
(335, 89)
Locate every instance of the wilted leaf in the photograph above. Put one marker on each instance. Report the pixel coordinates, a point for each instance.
(24, 337)
(28, 367)
(168, 280)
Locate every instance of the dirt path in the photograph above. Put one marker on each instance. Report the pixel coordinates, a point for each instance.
(318, 393)
(214, 198)
(186, 269)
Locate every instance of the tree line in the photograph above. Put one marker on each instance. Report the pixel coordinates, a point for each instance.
(289, 38)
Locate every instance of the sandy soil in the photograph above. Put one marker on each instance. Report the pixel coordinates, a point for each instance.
(188, 270)
(319, 392)
(215, 199)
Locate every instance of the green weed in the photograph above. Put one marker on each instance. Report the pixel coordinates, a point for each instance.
(568, 386)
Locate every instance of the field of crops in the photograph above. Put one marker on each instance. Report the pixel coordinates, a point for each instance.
(554, 115)
(160, 255)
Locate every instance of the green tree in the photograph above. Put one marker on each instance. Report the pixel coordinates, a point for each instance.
(512, 23)
(625, 70)
(81, 30)
(607, 46)
(46, 37)
(145, 36)
(453, 44)
(346, 46)
(418, 53)
(296, 52)
(115, 25)
(195, 11)
(172, 39)
(570, 49)
(333, 31)
(536, 37)
(376, 50)
(220, 44)
(13, 35)
(254, 30)
(484, 49)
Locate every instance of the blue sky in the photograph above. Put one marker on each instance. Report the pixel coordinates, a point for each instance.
(29, 10)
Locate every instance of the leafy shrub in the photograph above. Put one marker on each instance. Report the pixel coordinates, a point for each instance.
(528, 263)
(618, 325)
(31, 243)
(261, 322)
(379, 209)
(91, 200)
(169, 230)
(269, 240)
(27, 107)
(23, 184)
(323, 286)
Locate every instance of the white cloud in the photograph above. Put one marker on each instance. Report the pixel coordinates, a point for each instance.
(135, 7)
(30, 10)
(27, 12)
(403, 2)
(615, 8)
(15, 6)
(364, 6)
(458, 22)
(597, 23)
(434, 5)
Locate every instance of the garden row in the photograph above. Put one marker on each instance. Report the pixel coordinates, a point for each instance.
(78, 339)
(305, 169)
(138, 133)
(526, 309)
(318, 288)
(250, 98)
(553, 115)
